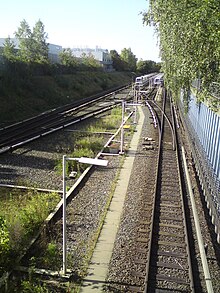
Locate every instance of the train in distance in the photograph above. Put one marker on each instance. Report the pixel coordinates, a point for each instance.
(143, 80)
(158, 79)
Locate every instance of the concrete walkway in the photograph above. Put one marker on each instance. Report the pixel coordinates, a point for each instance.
(98, 268)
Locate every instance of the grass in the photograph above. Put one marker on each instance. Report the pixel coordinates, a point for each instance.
(21, 215)
(90, 145)
(41, 93)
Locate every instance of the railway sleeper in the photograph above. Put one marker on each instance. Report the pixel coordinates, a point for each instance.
(170, 234)
(143, 230)
(172, 244)
(169, 265)
(170, 205)
(167, 198)
(177, 211)
(170, 210)
(140, 261)
(171, 225)
(140, 275)
(135, 289)
(166, 217)
(171, 279)
(172, 253)
(143, 240)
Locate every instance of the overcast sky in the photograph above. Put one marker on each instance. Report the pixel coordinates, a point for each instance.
(108, 24)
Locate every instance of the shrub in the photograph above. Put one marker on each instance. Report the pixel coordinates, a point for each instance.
(20, 217)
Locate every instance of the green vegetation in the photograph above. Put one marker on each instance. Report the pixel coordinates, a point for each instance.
(33, 287)
(30, 83)
(189, 33)
(148, 66)
(24, 95)
(89, 146)
(20, 217)
(26, 213)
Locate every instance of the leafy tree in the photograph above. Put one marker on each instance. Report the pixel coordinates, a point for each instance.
(118, 63)
(147, 66)
(24, 35)
(129, 58)
(9, 51)
(39, 44)
(89, 60)
(32, 45)
(67, 58)
(189, 40)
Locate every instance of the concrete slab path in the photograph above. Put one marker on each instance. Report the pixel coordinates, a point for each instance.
(98, 268)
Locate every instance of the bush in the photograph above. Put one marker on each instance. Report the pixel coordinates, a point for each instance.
(4, 242)
(29, 287)
(20, 217)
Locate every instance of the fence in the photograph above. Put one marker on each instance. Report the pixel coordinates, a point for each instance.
(203, 126)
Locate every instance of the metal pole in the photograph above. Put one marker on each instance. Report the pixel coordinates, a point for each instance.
(135, 107)
(64, 214)
(122, 127)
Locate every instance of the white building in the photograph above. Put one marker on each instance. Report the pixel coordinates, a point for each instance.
(53, 53)
(101, 55)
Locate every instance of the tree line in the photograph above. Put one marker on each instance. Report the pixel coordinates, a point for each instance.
(189, 34)
(32, 52)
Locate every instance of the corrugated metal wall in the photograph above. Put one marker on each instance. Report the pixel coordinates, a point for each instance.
(203, 128)
(206, 124)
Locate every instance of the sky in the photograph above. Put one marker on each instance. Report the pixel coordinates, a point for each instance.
(107, 24)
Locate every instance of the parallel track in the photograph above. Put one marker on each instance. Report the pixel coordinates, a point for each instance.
(18, 134)
(169, 264)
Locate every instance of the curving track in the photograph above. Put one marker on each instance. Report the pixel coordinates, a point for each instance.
(168, 264)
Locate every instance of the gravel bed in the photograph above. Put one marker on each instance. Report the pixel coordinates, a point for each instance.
(34, 165)
(84, 215)
(123, 267)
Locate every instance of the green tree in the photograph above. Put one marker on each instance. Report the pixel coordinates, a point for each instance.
(147, 66)
(67, 58)
(4, 243)
(32, 45)
(189, 33)
(24, 35)
(9, 51)
(129, 58)
(39, 43)
(90, 61)
(118, 63)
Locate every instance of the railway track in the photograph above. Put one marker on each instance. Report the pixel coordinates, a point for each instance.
(15, 135)
(168, 263)
(164, 245)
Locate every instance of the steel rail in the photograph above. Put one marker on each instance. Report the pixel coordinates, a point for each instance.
(50, 131)
(53, 127)
(208, 279)
(153, 217)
